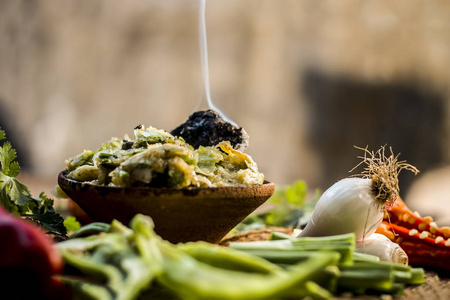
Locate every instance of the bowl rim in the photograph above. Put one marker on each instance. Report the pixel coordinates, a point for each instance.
(62, 176)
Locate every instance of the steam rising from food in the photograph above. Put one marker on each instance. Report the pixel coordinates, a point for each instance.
(205, 69)
(209, 126)
(204, 53)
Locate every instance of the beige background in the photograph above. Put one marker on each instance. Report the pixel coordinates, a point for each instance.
(306, 79)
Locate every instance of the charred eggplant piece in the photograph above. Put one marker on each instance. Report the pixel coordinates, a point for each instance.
(207, 128)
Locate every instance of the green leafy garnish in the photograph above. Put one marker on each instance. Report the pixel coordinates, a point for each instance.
(17, 199)
(71, 224)
(290, 206)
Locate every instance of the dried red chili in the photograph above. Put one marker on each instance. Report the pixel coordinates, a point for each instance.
(421, 238)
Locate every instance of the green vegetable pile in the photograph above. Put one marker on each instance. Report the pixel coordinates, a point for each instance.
(353, 272)
(16, 198)
(112, 261)
(155, 158)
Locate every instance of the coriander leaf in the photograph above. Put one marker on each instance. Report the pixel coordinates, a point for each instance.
(17, 192)
(45, 203)
(43, 213)
(71, 224)
(4, 180)
(7, 156)
(50, 220)
(6, 202)
(16, 197)
(14, 169)
(297, 192)
(290, 206)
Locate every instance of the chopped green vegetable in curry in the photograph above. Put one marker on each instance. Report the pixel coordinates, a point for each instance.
(155, 158)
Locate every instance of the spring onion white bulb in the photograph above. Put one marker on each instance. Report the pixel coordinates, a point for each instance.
(381, 246)
(347, 206)
(357, 204)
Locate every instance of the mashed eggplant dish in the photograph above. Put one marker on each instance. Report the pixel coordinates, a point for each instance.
(156, 158)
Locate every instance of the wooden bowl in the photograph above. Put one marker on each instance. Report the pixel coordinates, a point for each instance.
(180, 215)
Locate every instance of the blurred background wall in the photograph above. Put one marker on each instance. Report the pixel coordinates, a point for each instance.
(308, 80)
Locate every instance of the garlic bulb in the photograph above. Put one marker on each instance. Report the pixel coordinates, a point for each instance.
(381, 246)
(347, 206)
(356, 204)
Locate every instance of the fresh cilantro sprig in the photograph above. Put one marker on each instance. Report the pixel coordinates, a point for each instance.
(290, 206)
(16, 197)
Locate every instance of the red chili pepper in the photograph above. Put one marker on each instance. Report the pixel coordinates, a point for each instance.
(28, 260)
(400, 214)
(425, 243)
